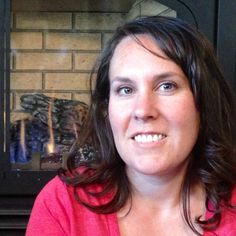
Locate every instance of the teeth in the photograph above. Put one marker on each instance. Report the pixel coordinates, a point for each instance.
(143, 138)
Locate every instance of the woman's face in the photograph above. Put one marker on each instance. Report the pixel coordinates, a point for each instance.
(151, 110)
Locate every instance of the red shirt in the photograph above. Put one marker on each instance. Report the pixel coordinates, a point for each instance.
(56, 212)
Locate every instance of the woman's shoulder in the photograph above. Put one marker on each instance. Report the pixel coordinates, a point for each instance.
(54, 184)
(57, 205)
(53, 187)
(59, 189)
(51, 210)
(54, 195)
(228, 221)
(56, 191)
(227, 224)
(233, 197)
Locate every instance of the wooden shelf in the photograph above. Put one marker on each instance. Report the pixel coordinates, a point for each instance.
(72, 5)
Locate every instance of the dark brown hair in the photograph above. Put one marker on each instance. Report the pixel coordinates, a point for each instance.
(213, 162)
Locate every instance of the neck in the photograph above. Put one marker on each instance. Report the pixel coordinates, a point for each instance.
(158, 199)
(164, 192)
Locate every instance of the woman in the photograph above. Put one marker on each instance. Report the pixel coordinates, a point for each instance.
(162, 124)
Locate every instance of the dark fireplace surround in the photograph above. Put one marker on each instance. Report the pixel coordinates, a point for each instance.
(21, 180)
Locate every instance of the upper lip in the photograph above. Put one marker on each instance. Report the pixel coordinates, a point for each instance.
(147, 133)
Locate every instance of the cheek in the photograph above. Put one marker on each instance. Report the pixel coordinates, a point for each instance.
(185, 115)
(118, 111)
(117, 127)
(115, 117)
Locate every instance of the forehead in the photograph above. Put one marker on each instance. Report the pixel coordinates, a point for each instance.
(140, 55)
(134, 50)
(141, 41)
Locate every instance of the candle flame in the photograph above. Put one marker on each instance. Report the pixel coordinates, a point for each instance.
(51, 144)
(22, 139)
(75, 130)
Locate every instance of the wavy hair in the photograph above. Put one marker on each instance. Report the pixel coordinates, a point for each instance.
(213, 162)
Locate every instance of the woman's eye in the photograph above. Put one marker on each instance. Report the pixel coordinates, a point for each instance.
(168, 86)
(125, 90)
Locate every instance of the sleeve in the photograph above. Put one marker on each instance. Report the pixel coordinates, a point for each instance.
(48, 216)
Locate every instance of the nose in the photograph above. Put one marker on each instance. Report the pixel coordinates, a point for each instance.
(145, 107)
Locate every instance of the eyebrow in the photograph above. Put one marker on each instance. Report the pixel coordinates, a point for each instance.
(121, 79)
(156, 77)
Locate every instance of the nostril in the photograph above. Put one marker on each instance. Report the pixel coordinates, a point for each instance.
(146, 113)
(145, 107)
(145, 116)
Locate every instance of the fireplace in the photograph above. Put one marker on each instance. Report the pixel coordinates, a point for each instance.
(48, 49)
(41, 138)
(52, 54)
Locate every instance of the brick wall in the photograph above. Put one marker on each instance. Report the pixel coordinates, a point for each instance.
(53, 52)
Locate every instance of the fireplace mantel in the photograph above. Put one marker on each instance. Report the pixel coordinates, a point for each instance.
(73, 5)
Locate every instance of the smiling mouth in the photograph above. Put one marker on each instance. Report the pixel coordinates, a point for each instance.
(149, 138)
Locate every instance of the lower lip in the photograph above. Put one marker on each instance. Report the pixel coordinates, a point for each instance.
(149, 144)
